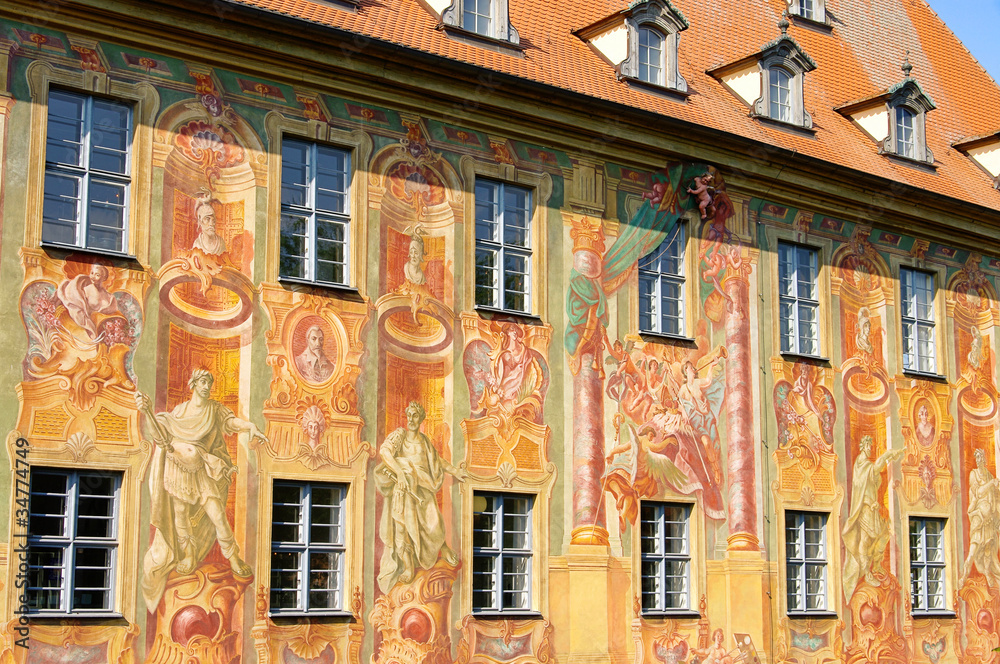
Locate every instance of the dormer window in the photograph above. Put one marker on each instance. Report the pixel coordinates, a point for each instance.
(780, 94)
(651, 56)
(485, 18)
(771, 82)
(896, 119)
(641, 42)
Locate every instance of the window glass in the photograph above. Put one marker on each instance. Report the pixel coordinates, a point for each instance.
(904, 132)
(315, 212)
(661, 285)
(664, 543)
(651, 55)
(477, 16)
(780, 95)
(927, 565)
(72, 540)
(503, 246)
(501, 552)
(798, 299)
(87, 172)
(917, 320)
(806, 561)
(307, 547)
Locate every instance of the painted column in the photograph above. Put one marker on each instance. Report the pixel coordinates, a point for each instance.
(589, 520)
(739, 408)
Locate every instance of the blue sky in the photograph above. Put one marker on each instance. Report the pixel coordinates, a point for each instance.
(975, 22)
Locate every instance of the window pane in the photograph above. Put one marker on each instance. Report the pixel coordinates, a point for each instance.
(61, 208)
(64, 139)
(294, 246)
(109, 137)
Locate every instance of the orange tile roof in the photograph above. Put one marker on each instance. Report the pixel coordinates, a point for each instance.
(859, 57)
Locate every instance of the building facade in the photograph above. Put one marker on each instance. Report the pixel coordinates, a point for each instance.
(472, 331)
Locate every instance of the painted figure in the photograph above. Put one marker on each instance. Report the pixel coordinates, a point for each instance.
(925, 426)
(207, 241)
(412, 527)
(312, 362)
(86, 295)
(704, 192)
(189, 483)
(413, 268)
(976, 355)
(984, 523)
(715, 653)
(866, 533)
(863, 338)
(313, 451)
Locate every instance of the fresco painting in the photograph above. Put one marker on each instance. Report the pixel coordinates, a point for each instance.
(413, 399)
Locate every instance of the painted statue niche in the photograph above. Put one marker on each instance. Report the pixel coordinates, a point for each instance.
(211, 172)
(419, 197)
(979, 584)
(417, 566)
(188, 481)
(669, 402)
(508, 377)
(83, 321)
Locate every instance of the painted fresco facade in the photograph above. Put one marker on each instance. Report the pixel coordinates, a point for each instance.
(113, 361)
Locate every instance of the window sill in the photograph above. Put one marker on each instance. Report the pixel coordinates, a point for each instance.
(298, 615)
(917, 615)
(823, 25)
(812, 615)
(657, 89)
(522, 315)
(459, 33)
(72, 248)
(77, 615)
(784, 125)
(663, 336)
(507, 615)
(679, 613)
(342, 289)
(925, 375)
(910, 161)
(789, 355)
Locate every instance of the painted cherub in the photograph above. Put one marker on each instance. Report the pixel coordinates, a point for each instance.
(705, 193)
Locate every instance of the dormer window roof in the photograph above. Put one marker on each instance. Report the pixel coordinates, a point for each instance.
(641, 42)
(485, 18)
(896, 119)
(771, 81)
(984, 150)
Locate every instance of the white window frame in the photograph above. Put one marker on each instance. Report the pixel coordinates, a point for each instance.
(779, 96)
(651, 60)
(502, 249)
(654, 515)
(906, 135)
(313, 215)
(921, 566)
(801, 569)
(85, 174)
(651, 272)
(798, 303)
(305, 547)
(912, 324)
(499, 553)
(70, 541)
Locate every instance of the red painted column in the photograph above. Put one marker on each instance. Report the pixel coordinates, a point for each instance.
(739, 410)
(589, 519)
